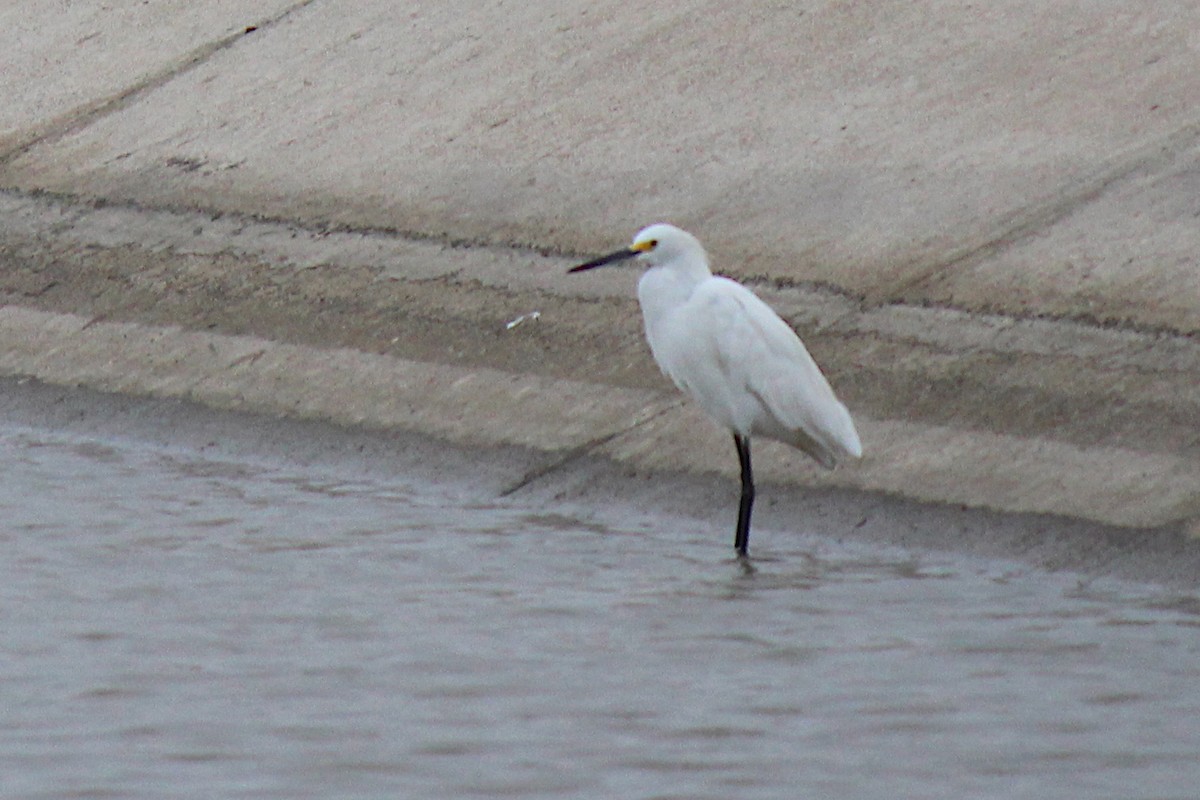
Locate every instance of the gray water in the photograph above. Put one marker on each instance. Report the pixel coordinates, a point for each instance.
(175, 626)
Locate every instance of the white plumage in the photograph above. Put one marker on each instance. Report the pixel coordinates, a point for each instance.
(729, 351)
(726, 348)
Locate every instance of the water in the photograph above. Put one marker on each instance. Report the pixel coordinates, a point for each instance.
(180, 627)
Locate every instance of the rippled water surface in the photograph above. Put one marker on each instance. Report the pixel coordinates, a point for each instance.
(181, 627)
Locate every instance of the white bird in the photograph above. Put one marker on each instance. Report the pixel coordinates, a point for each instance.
(726, 348)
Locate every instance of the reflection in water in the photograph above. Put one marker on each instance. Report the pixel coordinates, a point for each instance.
(176, 626)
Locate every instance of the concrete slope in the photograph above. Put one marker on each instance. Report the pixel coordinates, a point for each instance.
(883, 150)
(982, 219)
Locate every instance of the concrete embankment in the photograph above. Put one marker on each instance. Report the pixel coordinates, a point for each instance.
(983, 223)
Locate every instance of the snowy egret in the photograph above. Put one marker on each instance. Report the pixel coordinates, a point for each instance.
(726, 348)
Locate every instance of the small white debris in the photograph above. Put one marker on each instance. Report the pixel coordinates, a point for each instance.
(523, 318)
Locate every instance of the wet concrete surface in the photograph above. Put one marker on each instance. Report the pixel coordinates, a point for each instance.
(202, 604)
(1170, 557)
(1025, 415)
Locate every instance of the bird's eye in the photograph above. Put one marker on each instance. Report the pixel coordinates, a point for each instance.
(653, 243)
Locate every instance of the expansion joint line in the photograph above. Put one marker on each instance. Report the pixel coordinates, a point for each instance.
(81, 117)
(1039, 215)
(580, 451)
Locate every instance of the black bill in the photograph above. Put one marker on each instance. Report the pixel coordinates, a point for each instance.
(611, 258)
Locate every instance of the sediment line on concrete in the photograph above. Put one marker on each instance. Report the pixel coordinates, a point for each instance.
(1075, 382)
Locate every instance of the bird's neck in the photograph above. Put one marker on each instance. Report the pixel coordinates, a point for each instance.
(663, 289)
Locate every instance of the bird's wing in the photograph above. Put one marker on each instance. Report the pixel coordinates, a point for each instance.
(761, 355)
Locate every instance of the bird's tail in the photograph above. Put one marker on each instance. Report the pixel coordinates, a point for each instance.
(834, 440)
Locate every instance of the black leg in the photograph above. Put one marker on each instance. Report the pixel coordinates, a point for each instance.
(742, 540)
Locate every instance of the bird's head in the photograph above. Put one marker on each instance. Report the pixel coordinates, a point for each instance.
(655, 245)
